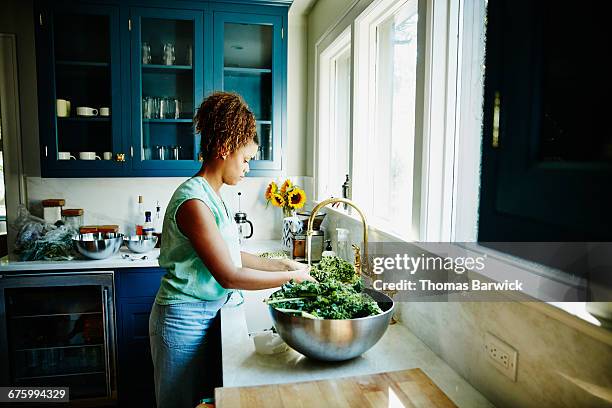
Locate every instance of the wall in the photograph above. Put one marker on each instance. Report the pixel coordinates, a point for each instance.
(109, 200)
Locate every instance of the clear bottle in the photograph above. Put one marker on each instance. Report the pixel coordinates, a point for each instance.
(343, 248)
(139, 214)
(147, 228)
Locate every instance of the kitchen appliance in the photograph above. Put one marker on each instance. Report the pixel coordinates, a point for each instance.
(57, 330)
(241, 221)
(318, 220)
(299, 250)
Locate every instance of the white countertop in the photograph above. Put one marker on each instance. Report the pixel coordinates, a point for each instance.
(398, 349)
(10, 262)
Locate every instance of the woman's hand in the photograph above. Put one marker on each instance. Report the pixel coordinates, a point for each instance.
(302, 275)
(291, 265)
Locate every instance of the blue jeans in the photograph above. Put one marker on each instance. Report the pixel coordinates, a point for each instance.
(185, 347)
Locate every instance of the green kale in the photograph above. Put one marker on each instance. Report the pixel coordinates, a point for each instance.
(324, 300)
(334, 268)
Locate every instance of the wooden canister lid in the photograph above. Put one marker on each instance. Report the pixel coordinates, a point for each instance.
(72, 212)
(54, 202)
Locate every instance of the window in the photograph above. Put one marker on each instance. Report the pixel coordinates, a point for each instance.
(385, 95)
(334, 117)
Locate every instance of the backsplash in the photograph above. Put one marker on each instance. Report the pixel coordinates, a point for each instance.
(115, 200)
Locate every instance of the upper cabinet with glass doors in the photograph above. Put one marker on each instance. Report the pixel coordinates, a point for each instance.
(249, 61)
(167, 86)
(80, 112)
(119, 84)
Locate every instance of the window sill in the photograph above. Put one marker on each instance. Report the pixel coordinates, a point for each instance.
(573, 314)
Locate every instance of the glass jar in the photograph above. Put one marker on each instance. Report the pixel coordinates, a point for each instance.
(73, 218)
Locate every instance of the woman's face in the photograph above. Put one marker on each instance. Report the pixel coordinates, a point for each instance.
(236, 165)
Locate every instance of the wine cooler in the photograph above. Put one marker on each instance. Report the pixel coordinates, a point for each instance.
(57, 330)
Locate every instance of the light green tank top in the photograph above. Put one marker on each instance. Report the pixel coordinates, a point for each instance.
(187, 279)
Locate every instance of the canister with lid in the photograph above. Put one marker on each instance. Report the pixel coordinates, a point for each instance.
(52, 209)
(73, 217)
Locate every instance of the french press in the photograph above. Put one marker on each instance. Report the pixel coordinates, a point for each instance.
(241, 220)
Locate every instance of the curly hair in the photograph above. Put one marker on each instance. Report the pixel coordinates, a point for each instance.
(226, 124)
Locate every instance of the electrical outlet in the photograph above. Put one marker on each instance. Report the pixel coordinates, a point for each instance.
(502, 355)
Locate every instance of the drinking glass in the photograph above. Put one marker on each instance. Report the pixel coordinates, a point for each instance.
(146, 53)
(168, 54)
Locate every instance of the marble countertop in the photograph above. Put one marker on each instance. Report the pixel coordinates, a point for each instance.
(11, 263)
(398, 349)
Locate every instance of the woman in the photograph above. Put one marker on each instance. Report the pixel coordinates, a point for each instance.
(201, 253)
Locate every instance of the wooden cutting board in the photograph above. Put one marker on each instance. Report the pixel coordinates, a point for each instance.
(406, 388)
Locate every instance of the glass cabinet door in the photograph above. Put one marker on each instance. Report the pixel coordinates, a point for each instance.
(248, 62)
(85, 97)
(167, 69)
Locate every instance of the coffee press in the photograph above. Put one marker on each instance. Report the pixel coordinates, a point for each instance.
(241, 220)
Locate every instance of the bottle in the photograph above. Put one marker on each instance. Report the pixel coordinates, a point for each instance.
(328, 249)
(346, 190)
(343, 248)
(139, 215)
(147, 227)
(157, 223)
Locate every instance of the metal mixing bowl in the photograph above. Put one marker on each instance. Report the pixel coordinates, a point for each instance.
(98, 245)
(140, 243)
(334, 340)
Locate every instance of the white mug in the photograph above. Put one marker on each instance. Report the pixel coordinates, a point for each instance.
(65, 156)
(89, 156)
(108, 155)
(104, 111)
(85, 111)
(62, 108)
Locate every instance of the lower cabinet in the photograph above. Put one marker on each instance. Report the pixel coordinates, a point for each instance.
(136, 293)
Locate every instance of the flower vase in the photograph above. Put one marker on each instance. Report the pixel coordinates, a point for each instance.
(291, 227)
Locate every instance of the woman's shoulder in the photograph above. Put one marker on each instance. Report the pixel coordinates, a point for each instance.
(192, 188)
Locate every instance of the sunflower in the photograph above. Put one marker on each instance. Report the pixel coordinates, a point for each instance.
(277, 200)
(296, 198)
(271, 190)
(287, 186)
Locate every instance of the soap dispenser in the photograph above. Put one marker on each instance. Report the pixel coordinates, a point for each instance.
(241, 221)
(328, 249)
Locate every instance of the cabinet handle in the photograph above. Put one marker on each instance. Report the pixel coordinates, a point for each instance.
(496, 111)
(120, 157)
(105, 311)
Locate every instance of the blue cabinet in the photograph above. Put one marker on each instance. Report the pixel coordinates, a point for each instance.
(136, 289)
(142, 72)
(168, 82)
(249, 53)
(78, 75)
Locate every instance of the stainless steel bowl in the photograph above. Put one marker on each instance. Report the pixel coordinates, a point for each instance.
(334, 340)
(98, 245)
(140, 243)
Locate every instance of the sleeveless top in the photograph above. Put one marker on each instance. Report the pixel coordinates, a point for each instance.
(187, 279)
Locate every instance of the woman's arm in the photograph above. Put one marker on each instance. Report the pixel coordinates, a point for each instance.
(271, 265)
(197, 222)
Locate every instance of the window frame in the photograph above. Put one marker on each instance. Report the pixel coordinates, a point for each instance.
(327, 112)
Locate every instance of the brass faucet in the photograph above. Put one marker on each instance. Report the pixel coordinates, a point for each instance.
(361, 263)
